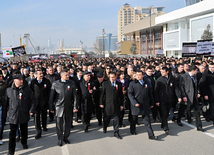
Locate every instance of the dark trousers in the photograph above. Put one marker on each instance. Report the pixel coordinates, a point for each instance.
(107, 120)
(86, 118)
(146, 121)
(99, 113)
(165, 108)
(60, 121)
(3, 120)
(12, 135)
(51, 115)
(121, 116)
(211, 111)
(196, 112)
(38, 122)
(156, 112)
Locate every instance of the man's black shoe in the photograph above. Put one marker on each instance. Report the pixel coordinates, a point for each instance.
(153, 137)
(45, 129)
(167, 132)
(25, 146)
(104, 130)
(100, 124)
(117, 135)
(200, 129)
(60, 143)
(67, 141)
(10, 154)
(72, 126)
(86, 130)
(38, 136)
(179, 123)
(207, 119)
(134, 133)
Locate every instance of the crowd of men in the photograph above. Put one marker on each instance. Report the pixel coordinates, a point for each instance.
(75, 89)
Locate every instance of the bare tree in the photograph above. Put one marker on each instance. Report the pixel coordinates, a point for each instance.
(98, 46)
(133, 49)
(208, 34)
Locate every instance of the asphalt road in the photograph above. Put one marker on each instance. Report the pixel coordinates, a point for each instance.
(184, 140)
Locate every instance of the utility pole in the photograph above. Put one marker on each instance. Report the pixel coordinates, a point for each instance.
(103, 43)
(81, 47)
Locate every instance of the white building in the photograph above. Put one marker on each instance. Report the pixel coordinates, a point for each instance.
(185, 25)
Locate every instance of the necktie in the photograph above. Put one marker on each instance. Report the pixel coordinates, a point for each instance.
(193, 78)
(112, 85)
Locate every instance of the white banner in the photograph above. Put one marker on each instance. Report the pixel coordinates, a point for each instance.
(212, 51)
(7, 52)
(204, 47)
(160, 52)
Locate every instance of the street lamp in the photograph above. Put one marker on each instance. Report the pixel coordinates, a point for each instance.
(103, 43)
(150, 35)
(81, 47)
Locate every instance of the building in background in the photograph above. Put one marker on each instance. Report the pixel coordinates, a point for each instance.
(110, 43)
(49, 43)
(185, 25)
(128, 15)
(191, 2)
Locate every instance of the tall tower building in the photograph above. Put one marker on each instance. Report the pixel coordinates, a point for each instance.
(126, 15)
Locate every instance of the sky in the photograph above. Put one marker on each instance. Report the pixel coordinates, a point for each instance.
(72, 20)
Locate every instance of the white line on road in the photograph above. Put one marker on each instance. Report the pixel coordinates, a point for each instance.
(65, 150)
(194, 127)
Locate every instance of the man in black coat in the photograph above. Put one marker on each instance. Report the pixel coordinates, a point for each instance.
(41, 88)
(3, 87)
(6, 75)
(63, 94)
(142, 100)
(87, 88)
(208, 89)
(189, 93)
(112, 90)
(166, 92)
(19, 100)
(77, 79)
(98, 84)
(51, 76)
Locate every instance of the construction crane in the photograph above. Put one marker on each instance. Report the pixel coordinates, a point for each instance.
(28, 38)
(20, 38)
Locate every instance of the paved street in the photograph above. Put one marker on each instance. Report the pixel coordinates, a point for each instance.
(182, 140)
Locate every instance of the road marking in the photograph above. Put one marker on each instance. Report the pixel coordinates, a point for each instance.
(65, 150)
(194, 127)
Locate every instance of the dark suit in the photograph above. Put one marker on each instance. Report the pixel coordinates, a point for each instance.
(86, 101)
(166, 92)
(63, 94)
(29, 79)
(41, 92)
(189, 89)
(141, 94)
(113, 101)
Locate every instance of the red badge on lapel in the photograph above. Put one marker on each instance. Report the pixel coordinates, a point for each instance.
(170, 84)
(145, 85)
(20, 96)
(123, 88)
(68, 87)
(116, 87)
(45, 85)
(93, 74)
(88, 86)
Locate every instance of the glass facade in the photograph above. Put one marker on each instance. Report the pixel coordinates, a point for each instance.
(199, 25)
(109, 42)
(191, 2)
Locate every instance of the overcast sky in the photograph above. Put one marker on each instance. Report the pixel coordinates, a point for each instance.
(72, 20)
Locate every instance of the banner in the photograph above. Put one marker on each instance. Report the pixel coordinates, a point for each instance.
(159, 52)
(19, 51)
(7, 52)
(189, 49)
(212, 51)
(204, 47)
